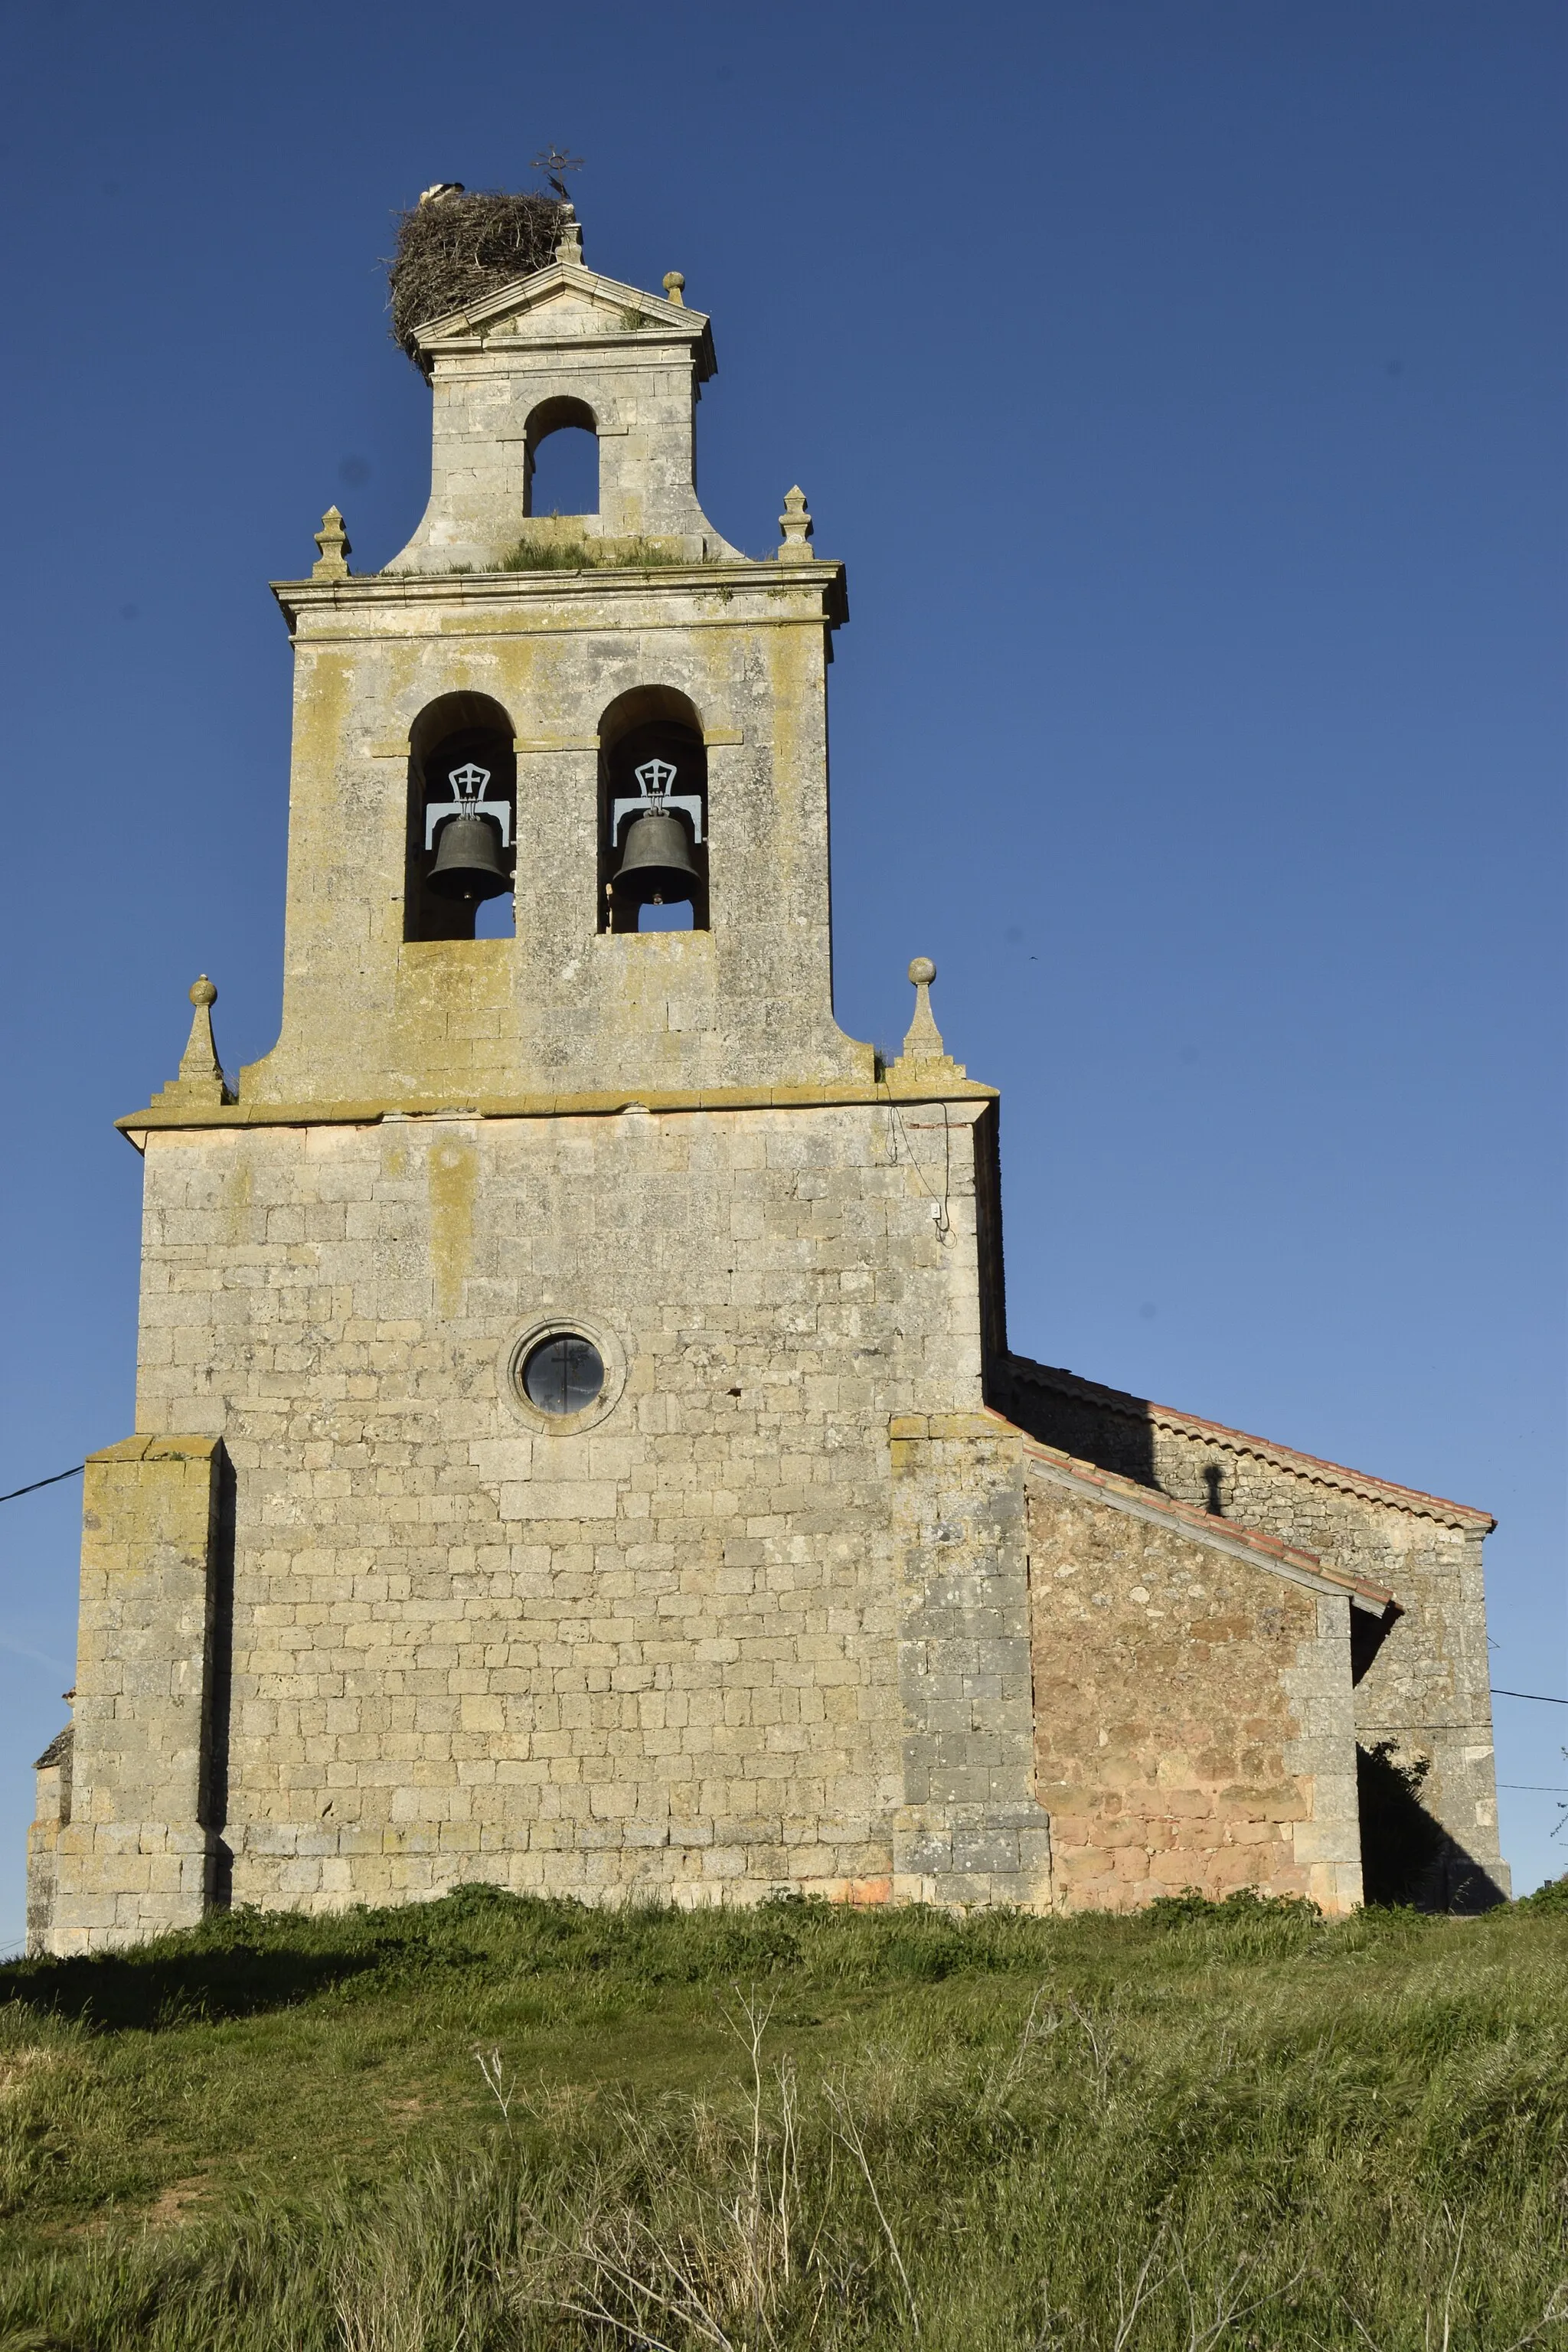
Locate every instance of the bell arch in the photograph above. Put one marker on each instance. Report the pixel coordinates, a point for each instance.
(564, 420)
(455, 740)
(657, 730)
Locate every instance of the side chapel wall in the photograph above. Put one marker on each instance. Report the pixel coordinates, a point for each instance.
(1193, 1714)
(1424, 1687)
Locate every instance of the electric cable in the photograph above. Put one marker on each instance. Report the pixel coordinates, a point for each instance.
(75, 1471)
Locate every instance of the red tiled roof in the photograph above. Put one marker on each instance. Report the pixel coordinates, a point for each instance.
(1205, 1524)
(1238, 1441)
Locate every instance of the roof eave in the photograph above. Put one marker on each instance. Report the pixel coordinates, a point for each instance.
(1311, 1466)
(1218, 1534)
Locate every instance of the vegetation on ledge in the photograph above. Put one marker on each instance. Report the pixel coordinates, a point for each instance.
(561, 555)
(492, 2122)
(592, 555)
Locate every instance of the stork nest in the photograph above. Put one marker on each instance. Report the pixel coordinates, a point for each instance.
(455, 249)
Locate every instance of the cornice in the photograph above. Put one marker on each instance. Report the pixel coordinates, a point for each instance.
(610, 1103)
(373, 592)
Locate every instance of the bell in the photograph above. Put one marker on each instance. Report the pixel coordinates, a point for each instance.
(656, 865)
(468, 861)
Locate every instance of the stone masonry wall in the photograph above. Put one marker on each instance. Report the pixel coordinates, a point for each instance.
(52, 1812)
(661, 1653)
(372, 1021)
(136, 1853)
(1193, 1714)
(639, 387)
(971, 1828)
(1426, 1686)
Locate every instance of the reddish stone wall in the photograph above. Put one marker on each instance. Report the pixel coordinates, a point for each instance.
(1425, 1688)
(1187, 1707)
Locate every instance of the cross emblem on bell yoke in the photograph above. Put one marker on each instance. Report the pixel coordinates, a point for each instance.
(467, 784)
(655, 778)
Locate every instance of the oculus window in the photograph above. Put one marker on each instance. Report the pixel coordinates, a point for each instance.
(565, 1373)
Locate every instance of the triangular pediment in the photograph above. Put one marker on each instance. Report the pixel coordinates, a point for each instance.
(566, 304)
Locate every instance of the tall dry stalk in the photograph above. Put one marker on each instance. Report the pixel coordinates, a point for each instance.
(734, 2266)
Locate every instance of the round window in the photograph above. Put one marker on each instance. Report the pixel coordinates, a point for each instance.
(562, 1377)
(565, 1373)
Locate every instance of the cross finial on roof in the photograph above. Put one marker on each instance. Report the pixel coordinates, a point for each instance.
(554, 163)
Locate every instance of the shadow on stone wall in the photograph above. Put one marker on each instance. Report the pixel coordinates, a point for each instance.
(1407, 1854)
(1370, 1629)
(214, 1801)
(1104, 1427)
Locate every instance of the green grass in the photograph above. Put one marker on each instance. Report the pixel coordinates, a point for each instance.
(1202, 2129)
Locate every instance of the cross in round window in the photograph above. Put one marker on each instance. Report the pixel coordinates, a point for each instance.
(565, 1373)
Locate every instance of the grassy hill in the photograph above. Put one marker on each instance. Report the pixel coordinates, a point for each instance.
(486, 2122)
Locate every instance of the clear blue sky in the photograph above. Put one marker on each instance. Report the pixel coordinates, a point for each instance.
(1182, 384)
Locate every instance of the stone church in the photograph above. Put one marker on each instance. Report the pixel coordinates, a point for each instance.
(577, 1442)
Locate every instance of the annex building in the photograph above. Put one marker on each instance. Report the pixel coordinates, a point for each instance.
(577, 1443)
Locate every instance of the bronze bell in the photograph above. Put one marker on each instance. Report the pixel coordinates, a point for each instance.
(468, 861)
(656, 865)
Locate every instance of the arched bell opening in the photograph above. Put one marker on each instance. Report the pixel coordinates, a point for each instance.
(653, 814)
(462, 819)
(561, 460)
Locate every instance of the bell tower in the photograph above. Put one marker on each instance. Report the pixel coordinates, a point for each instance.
(525, 1486)
(635, 711)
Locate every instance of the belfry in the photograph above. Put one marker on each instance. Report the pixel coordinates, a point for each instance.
(577, 1442)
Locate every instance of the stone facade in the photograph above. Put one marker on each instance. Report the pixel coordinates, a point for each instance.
(806, 1593)
(659, 1651)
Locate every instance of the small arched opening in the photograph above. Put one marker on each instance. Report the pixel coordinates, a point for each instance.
(462, 774)
(653, 814)
(561, 475)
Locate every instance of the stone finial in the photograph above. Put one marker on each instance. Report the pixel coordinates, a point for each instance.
(675, 287)
(924, 1054)
(796, 526)
(201, 1079)
(569, 244)
(333, 563)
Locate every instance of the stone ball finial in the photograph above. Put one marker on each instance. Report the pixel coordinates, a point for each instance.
(203, 992)
(674, 285)
(923, 1048)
